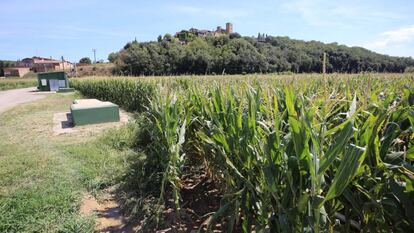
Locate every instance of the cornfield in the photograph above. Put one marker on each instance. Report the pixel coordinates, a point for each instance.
(289, 154)
(131, 95)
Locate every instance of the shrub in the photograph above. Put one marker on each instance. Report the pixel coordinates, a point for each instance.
(85, 60)
(409, 69)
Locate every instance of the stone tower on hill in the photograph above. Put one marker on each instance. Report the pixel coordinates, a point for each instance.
(229, 28)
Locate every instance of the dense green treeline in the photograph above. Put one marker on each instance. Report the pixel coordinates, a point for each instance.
(238, 55)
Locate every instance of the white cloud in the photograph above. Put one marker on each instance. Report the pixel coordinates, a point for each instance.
(187, 9)
(307, 10)
(59, 32)
(339, 13)
(398, 37)
(222, 13)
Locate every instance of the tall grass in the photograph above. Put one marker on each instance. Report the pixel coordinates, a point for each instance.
(14, 83)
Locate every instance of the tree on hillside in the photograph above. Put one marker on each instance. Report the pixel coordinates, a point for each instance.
(112, 57)
(409, 69)
(234, 35)
(85, 60)
(168, 37)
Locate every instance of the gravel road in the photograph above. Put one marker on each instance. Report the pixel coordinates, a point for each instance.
(12, 98)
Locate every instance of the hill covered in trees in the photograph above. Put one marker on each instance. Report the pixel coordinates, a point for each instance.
(233, 54)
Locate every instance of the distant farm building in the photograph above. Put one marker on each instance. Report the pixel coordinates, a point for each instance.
(41, 64)
(36, 64)
(15, 71)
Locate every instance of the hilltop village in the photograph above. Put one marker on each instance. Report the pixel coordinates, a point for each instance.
(185, 36)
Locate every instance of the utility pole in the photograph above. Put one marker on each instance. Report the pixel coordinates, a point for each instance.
(63, 63)
(94, 56)
(324, 63)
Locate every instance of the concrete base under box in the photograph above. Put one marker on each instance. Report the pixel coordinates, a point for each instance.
(93, 111)
(65, 89)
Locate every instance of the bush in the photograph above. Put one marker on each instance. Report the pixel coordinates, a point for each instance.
(85, 60)
(409, 69)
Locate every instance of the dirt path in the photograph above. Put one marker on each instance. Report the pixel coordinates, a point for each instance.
(12, 98)
(108, 214)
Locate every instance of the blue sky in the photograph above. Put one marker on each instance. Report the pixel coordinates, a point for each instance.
(73, 28)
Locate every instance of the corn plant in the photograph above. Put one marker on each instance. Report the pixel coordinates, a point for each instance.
(315, 156)
(170, 119)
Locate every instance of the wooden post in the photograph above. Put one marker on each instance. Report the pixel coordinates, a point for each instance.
(75, 69)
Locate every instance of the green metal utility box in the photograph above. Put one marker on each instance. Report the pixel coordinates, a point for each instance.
(93, 111)
(52, 81)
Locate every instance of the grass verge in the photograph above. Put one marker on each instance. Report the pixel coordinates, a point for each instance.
(14, 83)
(43, 177)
